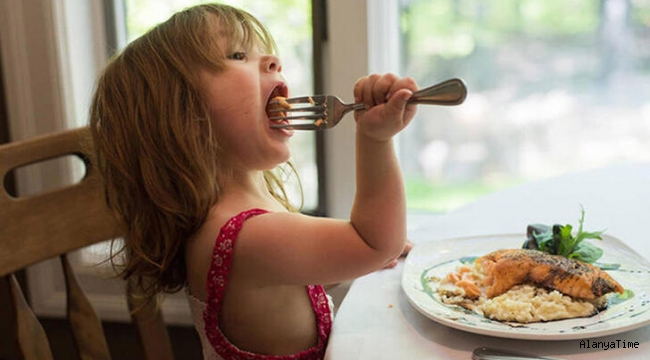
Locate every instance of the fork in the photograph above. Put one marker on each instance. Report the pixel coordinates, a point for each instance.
(320, 112)
(487, 353)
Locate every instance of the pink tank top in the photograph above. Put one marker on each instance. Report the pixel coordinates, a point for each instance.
(217, 278)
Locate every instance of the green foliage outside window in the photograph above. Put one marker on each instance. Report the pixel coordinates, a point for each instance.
(554, 86)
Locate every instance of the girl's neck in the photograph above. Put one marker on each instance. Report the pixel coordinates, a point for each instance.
(248, 188)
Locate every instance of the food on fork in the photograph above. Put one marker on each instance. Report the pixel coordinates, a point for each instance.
(313, 116)
(277, 103)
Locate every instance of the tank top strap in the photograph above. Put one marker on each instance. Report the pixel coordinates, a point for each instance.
(222, 258)
(324, 310)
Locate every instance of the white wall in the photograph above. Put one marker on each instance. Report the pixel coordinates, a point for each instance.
(346, 61)
(30, 57)
(361, 36)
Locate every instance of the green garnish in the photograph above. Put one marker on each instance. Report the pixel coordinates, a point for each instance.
(468, 260)
(617, 298)
(559, 240)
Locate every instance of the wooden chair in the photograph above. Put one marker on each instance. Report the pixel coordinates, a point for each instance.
(54, 223)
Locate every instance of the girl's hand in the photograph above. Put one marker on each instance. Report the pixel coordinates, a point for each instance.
(407, 248)
(387, 111)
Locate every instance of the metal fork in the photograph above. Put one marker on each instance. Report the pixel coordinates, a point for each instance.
(320, 112)
(487, 353)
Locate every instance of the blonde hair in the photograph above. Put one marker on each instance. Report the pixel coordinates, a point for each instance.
(154, 142)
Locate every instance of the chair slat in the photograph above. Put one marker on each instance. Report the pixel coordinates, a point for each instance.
(150, 325)
(9, 348)
(86, 327)
(32, 339)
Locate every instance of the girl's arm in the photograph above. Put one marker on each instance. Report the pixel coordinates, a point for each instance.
(290, 248)
(379, 209)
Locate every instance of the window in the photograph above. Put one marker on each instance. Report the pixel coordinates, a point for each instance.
(554, 86)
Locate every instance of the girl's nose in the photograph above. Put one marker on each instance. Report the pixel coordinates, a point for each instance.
(272, 64)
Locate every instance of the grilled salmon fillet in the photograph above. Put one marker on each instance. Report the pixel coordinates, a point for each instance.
(507, 268)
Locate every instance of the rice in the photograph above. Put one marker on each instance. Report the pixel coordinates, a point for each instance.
(527, 303)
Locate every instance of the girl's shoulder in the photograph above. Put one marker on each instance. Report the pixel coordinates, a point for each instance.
(229, 220)
(220, 216)
(199, 249)
(235, 221)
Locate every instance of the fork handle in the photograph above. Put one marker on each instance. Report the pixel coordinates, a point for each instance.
(450, 92)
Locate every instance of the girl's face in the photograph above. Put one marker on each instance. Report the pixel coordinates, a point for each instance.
(237, 99)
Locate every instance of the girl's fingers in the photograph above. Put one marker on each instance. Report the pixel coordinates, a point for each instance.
(397, 105)
(368, 89)
(391, 264)
(407, 248)
(358, 89)
(377, 89)
(382, 87)
(402, 83)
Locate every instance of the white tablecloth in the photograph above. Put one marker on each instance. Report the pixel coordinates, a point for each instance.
(375, 320)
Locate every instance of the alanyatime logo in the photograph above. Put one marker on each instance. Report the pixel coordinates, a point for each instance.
(606, 345)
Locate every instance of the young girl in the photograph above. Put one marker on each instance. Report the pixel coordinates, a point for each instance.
(183, 139)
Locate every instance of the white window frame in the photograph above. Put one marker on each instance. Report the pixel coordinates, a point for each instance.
(365, 44)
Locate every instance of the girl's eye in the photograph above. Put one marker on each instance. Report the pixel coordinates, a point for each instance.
(237, 56)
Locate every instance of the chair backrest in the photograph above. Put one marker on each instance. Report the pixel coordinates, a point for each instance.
(51, 224)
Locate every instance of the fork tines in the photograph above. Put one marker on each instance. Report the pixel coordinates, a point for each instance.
(313, 100)
(302, 108)
(299, 112)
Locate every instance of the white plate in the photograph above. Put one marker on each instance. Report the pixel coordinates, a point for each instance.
(441, 257)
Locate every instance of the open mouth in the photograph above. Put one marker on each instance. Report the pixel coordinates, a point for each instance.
(277, 101)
